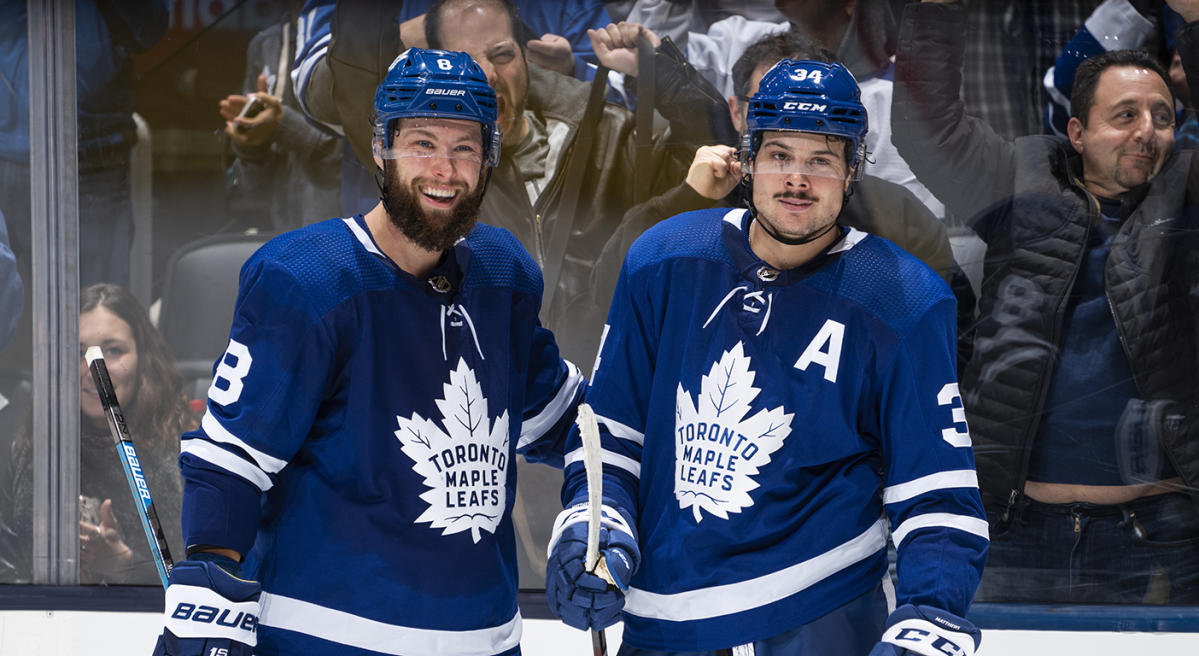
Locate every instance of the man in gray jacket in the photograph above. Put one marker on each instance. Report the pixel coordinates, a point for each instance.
(1081, 388)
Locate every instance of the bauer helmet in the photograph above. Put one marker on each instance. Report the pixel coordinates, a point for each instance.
(807, 96)
(436, 84)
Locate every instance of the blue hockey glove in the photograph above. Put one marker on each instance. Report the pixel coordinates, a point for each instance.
(582, 599)
(927, 631)
(209, 611)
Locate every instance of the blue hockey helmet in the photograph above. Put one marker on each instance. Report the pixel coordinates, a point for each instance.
(807, 96)
(436, 84)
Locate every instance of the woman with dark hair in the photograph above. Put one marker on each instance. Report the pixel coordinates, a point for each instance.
(112, 546)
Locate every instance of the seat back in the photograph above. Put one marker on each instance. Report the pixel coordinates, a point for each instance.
(198, 297)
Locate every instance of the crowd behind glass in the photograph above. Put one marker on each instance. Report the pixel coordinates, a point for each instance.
(162, 103)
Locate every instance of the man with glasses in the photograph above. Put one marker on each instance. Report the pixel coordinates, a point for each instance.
(774, 393)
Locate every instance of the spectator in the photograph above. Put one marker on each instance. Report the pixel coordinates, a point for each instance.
(862, 36)
(106, 35)
(112, 545)
(1081, 388)
(1009, 46)
(1119, 23)
(355, 66)
(774, 390)
(1114, 25)
(676, 18)
(543, 149)
(542, 116)
(287, 171)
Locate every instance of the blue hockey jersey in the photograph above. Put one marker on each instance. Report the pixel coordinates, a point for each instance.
(760, 427)
(360, 434)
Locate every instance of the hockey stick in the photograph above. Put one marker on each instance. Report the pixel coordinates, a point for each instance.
(130, 463)
(593, 464)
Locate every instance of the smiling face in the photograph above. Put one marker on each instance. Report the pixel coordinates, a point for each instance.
(432, 191)
(1129, 132)
(483, 30)
(100, 327)
(799, 182)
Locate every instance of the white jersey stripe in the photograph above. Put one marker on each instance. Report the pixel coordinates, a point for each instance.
(535, 427)
(618, 429)
(211, 453)
(364, 633)
(760, 591)
(362, 237)
(615, 459)
(213, 428)
(852, 238)
(925, 484)
(941, 520)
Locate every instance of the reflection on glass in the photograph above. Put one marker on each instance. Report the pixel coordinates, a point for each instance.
(112, 545)
(1077, 358)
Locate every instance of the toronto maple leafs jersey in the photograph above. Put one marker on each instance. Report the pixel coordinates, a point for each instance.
(766, 429)
(360, 434)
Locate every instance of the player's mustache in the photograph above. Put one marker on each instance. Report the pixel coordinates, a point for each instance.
(796, 195)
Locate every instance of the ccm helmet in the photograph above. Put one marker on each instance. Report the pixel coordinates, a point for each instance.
(807, 96)
(436, 84)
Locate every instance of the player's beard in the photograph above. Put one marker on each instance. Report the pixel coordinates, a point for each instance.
(432, 231)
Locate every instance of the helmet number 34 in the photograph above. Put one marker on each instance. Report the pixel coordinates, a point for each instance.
(805, 74)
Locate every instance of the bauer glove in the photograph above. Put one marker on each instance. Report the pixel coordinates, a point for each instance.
(209, 611)
(927, 631)
(582, 599)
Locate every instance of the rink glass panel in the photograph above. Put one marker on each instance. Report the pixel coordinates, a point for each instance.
(174, 184)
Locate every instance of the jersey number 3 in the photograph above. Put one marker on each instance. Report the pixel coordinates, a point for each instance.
(231, 374)
(955, 437)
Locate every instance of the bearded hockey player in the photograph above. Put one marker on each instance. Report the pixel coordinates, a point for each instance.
(382, 373)
(775, 394)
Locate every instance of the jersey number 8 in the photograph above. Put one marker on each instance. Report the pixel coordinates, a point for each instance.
(232, 374)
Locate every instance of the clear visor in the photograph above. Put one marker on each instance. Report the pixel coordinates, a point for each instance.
(424, 145)
(455, 154)
(771, 162)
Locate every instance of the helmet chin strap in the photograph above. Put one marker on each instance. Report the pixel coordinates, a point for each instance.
(788, 240)
(746, 186)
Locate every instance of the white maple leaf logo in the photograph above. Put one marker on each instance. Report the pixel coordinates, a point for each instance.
(718, 450)
(465, 466)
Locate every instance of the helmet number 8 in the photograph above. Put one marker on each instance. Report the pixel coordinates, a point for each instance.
(444, 64)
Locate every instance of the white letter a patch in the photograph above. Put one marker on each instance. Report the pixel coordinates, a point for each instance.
(824, 350)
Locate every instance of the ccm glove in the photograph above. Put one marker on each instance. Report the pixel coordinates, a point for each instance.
(582, 599)
(927, 631)
(209, 611)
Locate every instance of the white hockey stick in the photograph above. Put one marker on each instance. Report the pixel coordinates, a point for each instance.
(130, 463)
(594, 465)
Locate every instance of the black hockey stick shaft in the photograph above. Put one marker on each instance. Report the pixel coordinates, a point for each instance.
(131, 464)
(599, 643)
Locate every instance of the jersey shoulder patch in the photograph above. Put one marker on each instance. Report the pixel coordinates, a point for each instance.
(696, 234)
(887, 281)
(324, 260)
(498, 259)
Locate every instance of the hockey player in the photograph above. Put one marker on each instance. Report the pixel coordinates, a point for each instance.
(382, 373)
(774, 393)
